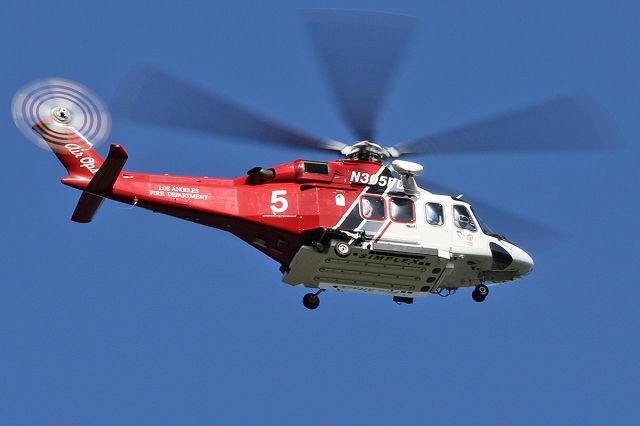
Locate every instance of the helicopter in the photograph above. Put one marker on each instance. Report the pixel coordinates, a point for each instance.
(362, 223)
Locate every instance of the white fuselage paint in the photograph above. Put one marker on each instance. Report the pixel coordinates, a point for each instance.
(462, 255)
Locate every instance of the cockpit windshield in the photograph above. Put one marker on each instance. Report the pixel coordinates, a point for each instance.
(484, 226)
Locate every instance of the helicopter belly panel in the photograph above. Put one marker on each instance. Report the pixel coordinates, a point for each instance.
(381, 269)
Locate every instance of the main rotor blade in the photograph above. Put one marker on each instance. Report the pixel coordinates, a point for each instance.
(526, 233)
(151, 96)
(359, 53)
(567, 123)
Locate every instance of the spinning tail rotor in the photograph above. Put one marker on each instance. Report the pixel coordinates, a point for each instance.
(67, 104)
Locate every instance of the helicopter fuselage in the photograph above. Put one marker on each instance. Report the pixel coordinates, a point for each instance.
(405, 245)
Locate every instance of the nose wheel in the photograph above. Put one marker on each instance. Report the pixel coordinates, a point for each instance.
(480, 293)
(312, 300)
(342, 249)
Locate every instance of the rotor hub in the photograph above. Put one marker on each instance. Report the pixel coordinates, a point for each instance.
(368, 151)
(61, 115)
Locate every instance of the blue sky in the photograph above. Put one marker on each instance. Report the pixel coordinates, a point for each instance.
(142, 319)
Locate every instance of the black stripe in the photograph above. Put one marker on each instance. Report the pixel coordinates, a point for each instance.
(353, 219)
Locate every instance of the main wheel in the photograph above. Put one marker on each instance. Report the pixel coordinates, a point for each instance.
(480, 293)
(311, 301)
(482, 290)
(342, 249)
(477, 297)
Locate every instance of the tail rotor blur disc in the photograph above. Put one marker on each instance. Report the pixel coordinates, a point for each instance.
(69, 104)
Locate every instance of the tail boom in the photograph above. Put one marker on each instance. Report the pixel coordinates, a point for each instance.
(85, 167)
(74, 152)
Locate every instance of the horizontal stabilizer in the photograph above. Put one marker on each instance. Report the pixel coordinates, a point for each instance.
(87, 207)
(101, 182)
(106, 176)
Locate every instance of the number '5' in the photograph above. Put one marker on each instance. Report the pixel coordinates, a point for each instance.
(278, 203)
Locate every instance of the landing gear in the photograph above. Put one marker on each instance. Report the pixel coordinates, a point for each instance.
(312, 300)
(480, 293)
(318, 246)
(405, 300)
(342, 249)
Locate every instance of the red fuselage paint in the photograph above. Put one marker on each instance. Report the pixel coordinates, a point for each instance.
(293, 206)
(276, 217)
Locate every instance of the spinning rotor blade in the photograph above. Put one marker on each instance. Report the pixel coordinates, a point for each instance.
(359, 53)
(524, 232)
(75, 107)
(568, 123)
(151, 96)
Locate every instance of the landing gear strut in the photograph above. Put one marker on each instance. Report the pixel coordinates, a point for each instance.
(480, 293)
(312, 300)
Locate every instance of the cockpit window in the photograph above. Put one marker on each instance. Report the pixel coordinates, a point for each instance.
(372, 208)
(462, 218)
(433, 212)
(483, 225)
(402, 210)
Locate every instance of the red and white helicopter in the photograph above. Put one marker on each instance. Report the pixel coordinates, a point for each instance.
(360, 223)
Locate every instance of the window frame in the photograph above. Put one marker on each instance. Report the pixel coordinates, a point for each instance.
(413, 205)
(469, 215)
(441, 211)
(384, 204)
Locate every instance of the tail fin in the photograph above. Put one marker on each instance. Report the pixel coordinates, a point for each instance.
(74, 151)
(103, 181)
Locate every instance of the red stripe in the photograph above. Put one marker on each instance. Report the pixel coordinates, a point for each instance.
(383, 231)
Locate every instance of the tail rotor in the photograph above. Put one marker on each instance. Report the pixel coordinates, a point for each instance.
(69, 106)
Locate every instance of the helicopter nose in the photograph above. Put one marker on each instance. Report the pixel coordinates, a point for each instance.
(522, 261)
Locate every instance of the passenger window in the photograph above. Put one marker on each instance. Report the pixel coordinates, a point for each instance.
(462, 218)
(402, 210)
(434, 214)
(372, 208)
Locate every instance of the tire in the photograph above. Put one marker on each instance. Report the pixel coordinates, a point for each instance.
(342, 249)
(311, 301)
(477, 297)
(482, 290)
